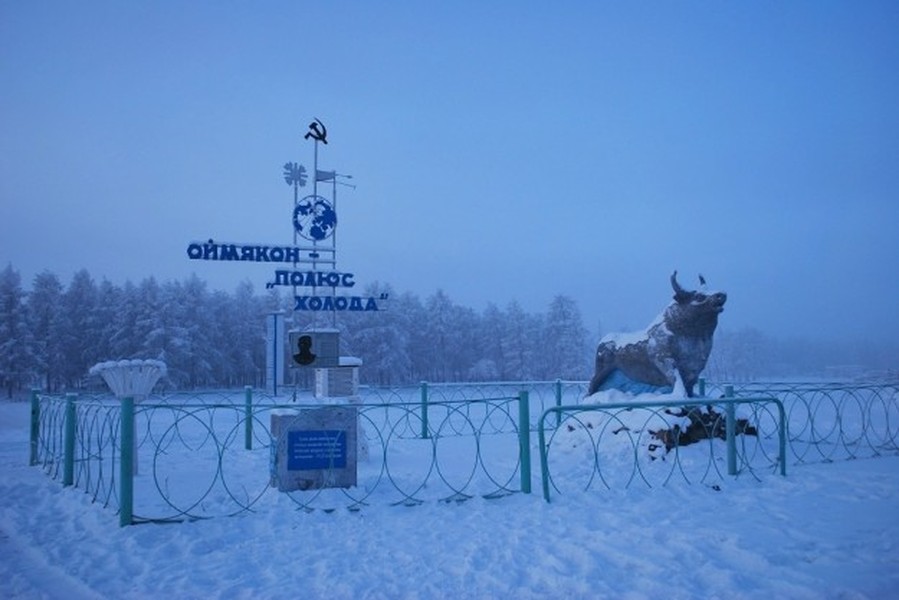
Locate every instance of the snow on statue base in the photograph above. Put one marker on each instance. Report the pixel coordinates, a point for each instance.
(702, 425)
(638, 427)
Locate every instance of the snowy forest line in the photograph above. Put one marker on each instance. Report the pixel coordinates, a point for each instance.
(51, 334)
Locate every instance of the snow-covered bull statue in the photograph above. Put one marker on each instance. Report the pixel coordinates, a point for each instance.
(676, 344)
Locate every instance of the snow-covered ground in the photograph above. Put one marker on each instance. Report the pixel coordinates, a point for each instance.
(824, 531)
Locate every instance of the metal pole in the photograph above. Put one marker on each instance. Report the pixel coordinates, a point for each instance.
(295, 175)
(782, 436)
(730, 429)
(702, 387)
(296, 201)
(248, 417)
(276, 337)
(126, 463)
(524, 440)
(35, 427)
(424, 410)
(315, 242)
(544, 467)
(334, 244)
(68, 473)
(558, 402)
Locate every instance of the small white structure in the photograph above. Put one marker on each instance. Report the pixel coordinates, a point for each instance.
(339, 381)
(130, 378)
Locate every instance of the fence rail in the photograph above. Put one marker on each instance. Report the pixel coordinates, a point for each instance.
(210, 458)
(542, 394)
(621, 444)
(191, 456)
(832, 421)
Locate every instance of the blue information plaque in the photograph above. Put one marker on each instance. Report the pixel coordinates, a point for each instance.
(316, 449)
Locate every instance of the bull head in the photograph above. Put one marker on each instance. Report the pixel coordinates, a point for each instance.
(714, 301)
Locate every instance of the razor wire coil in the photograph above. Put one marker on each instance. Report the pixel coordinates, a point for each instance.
(452, 443)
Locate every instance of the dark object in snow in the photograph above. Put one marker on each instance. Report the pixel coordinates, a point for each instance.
(678, 343)
(702, 426)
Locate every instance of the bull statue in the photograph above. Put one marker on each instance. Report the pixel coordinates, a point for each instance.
(676, 344)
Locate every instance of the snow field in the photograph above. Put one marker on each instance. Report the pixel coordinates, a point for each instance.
(824, 531)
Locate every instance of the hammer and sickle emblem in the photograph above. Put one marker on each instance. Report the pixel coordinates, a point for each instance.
(317, 131)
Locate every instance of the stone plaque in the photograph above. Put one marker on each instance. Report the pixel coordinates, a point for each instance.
(315, 448)
(336, 382)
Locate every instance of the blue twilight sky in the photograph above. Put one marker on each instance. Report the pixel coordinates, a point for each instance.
(501, 150)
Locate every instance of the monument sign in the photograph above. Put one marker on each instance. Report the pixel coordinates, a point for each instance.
(316, 448)
(308, 266)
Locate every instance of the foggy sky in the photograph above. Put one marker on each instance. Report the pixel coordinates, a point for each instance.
(506, 152)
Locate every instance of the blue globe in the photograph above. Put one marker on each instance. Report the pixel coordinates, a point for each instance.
(314, 218)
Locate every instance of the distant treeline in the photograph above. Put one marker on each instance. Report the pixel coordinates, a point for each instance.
(51, 334)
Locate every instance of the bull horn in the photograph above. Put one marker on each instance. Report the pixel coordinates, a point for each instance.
(675, 285)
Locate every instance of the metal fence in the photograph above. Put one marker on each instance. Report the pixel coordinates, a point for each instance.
(832, 421)
(617, 445)
(190, 456)
(542, 394)
(178, 458)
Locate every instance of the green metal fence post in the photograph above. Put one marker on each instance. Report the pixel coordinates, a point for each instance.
(702, 387)
(248, 417)
(782, 436)
(126, 463)
(558, 402)
(544, 467)
(730, 430)
(424, 410)
(68, 471)
(35, 427)
(524, 440)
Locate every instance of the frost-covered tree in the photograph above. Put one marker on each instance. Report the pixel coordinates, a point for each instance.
(217, 338)
(380, 340)
(108, 319)
(417, 340)
(465, 345)
(521, 338)
(81, 331)
(239, 319)
(149, 325)
(45, 320)
(493, 325)
(451, 338)
(198, 347)
(564, 343)
(439, 331)
(15, 357)
(125, 340)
